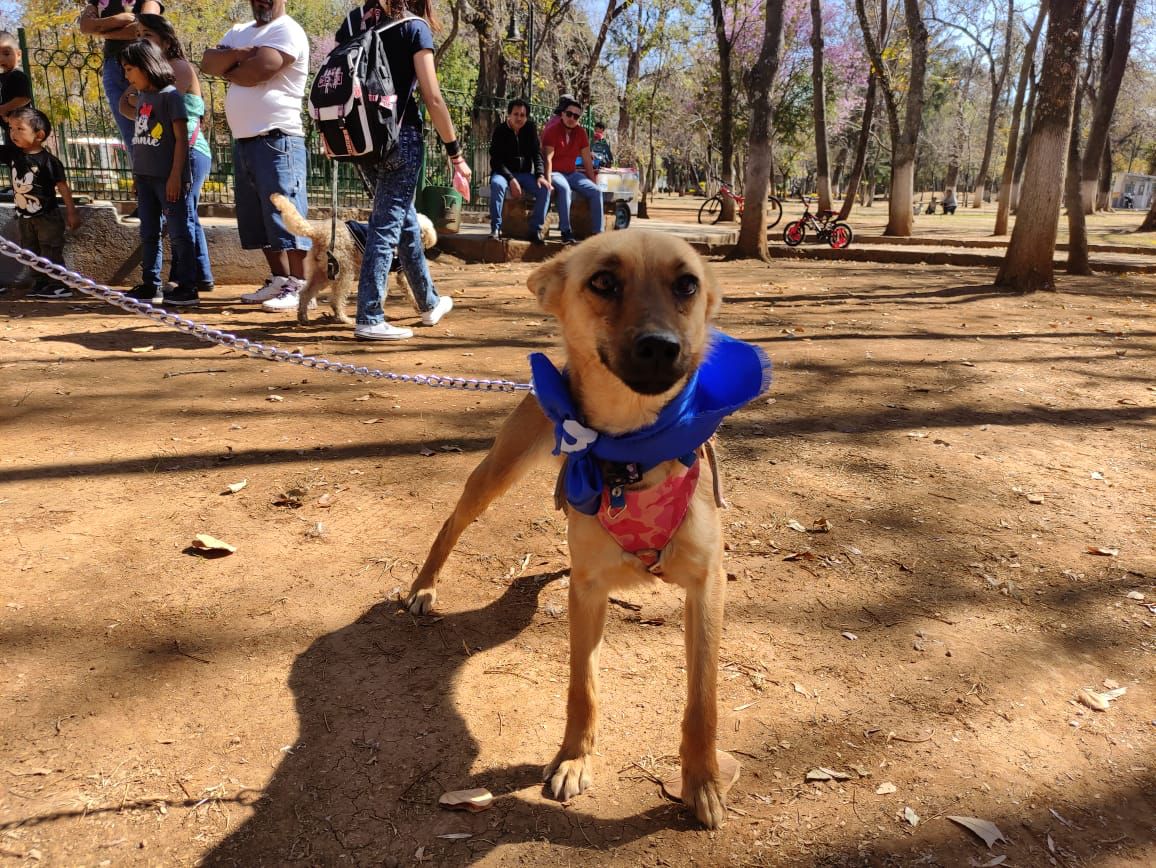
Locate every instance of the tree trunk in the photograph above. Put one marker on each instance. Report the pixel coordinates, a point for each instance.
(837, 174)
(1117, 46)
(998, 80)
(1077, 227)
(951, 182)
(752, 241)
(1028, 264)
(1149, 224)
(857, 167)
(491, 81)
(614, 8)
(1005, 187)
(900, 219)
(819, 106)
(1104, 190)
(727, 104)
(1022, 154)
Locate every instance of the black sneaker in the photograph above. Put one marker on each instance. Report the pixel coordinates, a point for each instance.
(496, 235)
(205, 286)
(144, 292)
(536, 238)
(54, 290)
(182, 296)
(568, 239)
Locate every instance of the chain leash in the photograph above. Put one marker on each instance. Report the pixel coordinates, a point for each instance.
(253, 348)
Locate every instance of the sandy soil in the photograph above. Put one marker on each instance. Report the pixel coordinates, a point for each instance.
(275, 706)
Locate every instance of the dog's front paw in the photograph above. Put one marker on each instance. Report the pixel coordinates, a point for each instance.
(567, 778)
(706, 799)
(421, 600)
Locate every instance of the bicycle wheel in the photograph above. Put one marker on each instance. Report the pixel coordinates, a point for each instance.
(774, 211)
(795, 233)
(841, 236)
(711, 210)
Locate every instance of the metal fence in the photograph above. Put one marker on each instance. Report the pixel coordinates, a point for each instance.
(65, 68)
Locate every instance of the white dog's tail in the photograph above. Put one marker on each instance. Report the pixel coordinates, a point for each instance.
(297, 224)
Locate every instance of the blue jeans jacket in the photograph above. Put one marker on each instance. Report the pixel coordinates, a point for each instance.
(393, 223)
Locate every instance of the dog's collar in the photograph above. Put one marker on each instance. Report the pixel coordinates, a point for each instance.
(733, 374)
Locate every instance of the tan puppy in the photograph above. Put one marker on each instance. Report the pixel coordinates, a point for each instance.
(618, 296)
(347, 254)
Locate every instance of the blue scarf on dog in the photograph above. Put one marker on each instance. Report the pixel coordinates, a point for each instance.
(733, 374)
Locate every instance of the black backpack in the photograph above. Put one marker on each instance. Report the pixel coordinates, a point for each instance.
(353, 99)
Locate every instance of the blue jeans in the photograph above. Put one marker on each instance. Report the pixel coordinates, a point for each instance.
(393, 223)
(200, 164)
(498, 187)
(272, 163)
(115, 84)
(180, 216)
(565, 185)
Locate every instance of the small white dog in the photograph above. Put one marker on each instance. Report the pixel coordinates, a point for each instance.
(347, 254)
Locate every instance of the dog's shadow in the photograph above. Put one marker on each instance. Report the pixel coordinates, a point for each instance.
(380, 740)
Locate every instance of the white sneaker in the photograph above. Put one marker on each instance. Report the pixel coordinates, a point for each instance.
(271, 289)
(434, 315)
(288, 297)
(382, 331)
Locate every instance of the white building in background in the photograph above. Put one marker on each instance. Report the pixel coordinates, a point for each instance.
(1135, 187)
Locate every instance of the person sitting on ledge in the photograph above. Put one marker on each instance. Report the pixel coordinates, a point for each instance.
(516, 165)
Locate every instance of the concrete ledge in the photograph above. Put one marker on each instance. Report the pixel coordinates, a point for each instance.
(107, 250)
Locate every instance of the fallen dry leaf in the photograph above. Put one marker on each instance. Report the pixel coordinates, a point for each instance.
(234, 487)
(885, 789)
(207, 543)
(825, 774)
(475, 800)
(910, 816)
(986, 830)
(1103, 550)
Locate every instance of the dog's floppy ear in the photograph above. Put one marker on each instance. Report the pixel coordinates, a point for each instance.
(547, 281)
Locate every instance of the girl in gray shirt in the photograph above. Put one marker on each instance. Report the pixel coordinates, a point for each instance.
(160, 158)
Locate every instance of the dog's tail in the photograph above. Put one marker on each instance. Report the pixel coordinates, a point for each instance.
(296, 223)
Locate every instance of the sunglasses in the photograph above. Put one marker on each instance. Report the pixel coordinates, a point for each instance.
(574, 115)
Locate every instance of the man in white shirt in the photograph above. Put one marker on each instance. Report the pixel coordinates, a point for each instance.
(266, 62)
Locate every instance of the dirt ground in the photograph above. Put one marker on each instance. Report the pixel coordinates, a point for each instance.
(968, 450)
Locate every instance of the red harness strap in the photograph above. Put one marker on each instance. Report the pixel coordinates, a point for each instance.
(651, 516)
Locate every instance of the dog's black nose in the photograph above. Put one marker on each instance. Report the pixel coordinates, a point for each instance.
(654, 362)
(656, 352)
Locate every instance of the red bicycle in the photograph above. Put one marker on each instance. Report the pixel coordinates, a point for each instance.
(826, 228)
(711, 210)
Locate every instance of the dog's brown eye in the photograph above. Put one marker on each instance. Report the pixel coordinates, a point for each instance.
(686, 286)
(606, 284)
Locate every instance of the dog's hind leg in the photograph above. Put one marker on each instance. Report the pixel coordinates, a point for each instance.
(526, 437)
(570, 773)
(702, 624)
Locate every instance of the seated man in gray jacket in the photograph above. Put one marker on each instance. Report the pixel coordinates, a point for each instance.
(516, 165)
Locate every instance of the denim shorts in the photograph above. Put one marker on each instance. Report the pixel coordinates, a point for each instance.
(272, 163)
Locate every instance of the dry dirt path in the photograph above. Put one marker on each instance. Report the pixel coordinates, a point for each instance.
(276, 707)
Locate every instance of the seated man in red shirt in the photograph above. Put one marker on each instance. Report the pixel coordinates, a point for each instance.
(562, 144)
